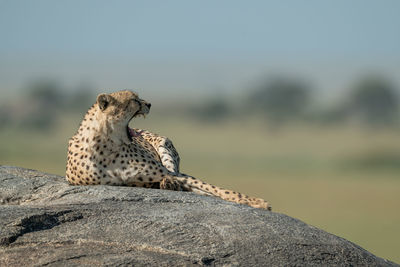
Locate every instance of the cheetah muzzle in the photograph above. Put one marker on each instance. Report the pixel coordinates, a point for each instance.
(105, 150)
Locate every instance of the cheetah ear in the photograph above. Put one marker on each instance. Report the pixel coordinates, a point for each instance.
(103, 100)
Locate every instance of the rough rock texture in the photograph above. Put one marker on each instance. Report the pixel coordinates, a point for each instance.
(46, 222)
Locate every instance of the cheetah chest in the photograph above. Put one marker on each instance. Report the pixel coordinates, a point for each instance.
(134, 163)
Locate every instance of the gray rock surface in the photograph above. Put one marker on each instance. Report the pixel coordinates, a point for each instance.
(46, 222)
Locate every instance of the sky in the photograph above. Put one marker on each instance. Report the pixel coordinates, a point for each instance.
(179, 48)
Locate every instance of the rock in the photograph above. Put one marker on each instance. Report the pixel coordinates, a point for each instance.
(45, 221)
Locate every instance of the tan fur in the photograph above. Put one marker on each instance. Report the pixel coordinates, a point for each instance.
(106, 151)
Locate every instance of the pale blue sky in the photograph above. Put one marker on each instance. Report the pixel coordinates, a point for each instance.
(192, 46)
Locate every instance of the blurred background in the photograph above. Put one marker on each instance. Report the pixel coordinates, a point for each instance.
(296, 102)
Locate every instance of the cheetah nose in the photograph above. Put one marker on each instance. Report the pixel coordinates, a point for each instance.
(148, 105)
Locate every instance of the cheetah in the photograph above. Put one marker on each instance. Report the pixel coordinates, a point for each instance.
(105, 150)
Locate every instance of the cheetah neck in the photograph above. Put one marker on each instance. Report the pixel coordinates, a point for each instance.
(96, 125)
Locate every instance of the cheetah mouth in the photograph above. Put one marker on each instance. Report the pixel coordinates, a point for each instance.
(137, 114)
(129, 131)
(143, 111)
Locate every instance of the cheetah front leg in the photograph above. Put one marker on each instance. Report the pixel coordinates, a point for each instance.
(165, 149)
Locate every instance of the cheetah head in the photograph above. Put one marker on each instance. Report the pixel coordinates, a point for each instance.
(118, 109)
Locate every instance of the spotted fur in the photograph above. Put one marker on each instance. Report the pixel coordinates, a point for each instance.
(106, 151)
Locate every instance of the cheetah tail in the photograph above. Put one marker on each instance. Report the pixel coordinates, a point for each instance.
(192, 184)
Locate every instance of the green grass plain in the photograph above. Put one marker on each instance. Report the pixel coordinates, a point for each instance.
(345, 180)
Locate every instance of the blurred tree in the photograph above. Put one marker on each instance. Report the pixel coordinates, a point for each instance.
(281, 99)
(212, 110)
(374, 101)
(81, 98)
(331, 115)
(45, 98)
(47, 93)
